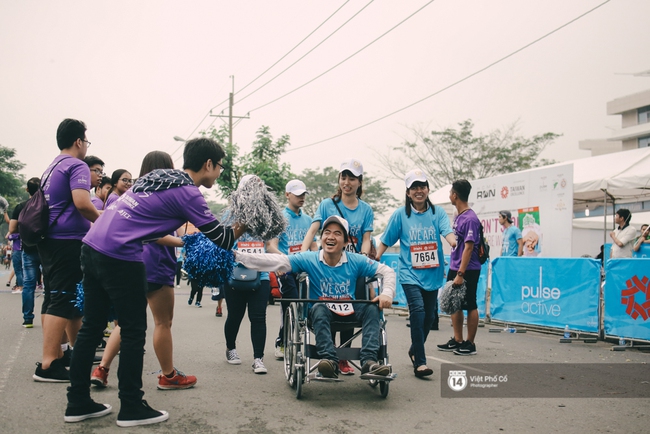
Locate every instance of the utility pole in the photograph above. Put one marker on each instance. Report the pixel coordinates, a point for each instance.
(229, 172)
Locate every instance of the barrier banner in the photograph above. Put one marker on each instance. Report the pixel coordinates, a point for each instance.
(550, 292)
(481, 290)
(627, 298)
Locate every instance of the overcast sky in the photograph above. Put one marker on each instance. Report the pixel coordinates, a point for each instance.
(139, 73)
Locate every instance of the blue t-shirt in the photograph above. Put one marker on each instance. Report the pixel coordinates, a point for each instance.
(338, 282)
(247, 243)
(510, 246)
(359, 219)
(421, 259)
(467, 227)
(291, 239)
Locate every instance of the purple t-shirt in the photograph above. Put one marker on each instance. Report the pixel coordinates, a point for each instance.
(97, 202)
(71, 174)
(136, 217)
(111, 198)
(467, 227)
(160, 263)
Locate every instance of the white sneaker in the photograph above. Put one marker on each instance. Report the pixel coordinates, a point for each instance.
(279, 352)
(232, 357)
(258, 366)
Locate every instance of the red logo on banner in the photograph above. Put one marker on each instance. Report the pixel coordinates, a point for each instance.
(504, 192)
(629, 297)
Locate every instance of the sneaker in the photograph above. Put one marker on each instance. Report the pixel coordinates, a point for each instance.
(219, 312)
(232, 357)
(178, 381)
(374, 368)
(102, 345)
(279, 352)
(16, 290)
(67, 355)
(56, 373)
(28, 324)
(86, 411)
(198, 304)
(99, 377)
(466, 349)
(258, 366)
(189, 302)
(178, 286)
(449, 346)
(328, 368)
(134, 415)
(345, 368)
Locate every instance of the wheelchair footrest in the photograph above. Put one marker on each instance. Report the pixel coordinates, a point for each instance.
(318, 377)
(389, 377)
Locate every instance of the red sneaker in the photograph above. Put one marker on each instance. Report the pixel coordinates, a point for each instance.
(219, 312)
(178, 381)
(345, 368)
(100, 377)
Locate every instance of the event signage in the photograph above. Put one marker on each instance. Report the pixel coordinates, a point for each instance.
(541, 204)
(627, 298)
(551, 292)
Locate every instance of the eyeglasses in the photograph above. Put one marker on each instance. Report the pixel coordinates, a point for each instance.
(126, 180)
(98, 172)
(88, 143)
(222, 166)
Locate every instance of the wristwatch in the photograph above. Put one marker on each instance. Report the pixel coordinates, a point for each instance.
(461, 274)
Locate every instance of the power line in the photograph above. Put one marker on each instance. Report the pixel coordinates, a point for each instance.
(455, 83)
(256, 78)
(344, 60)
(308, 52)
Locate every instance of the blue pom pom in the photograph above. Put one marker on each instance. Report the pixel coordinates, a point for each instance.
(79, 299)
(206, 263)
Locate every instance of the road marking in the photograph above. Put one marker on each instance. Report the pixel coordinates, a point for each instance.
(458, 364)
(6, 371)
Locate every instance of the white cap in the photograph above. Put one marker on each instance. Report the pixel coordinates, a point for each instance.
(414, 175)
(296, 187)
(245, 179)
(353, 166)
(337, 219)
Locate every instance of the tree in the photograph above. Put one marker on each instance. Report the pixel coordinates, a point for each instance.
(322, 184)
(453, 154)
(12, 184)
(263, 160)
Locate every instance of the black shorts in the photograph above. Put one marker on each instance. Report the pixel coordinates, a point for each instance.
(151, 287)
(61, 260)
(471, 281)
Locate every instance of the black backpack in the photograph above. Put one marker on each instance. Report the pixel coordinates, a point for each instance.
(483, 249)
(33, 220)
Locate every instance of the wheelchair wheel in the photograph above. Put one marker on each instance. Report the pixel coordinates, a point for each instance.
(383, 388)
(289, 347)
(299, 379)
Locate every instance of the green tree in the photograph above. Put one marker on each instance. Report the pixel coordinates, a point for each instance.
(454, 154)
(12, 183)
(263, 160)
(323, 184)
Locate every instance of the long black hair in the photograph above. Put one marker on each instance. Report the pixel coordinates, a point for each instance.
(339, 192)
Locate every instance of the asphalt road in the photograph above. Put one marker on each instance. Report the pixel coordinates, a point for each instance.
(232, 399)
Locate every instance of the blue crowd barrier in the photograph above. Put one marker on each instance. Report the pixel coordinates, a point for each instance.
(627, 298)
(551, 292)
(392, 260)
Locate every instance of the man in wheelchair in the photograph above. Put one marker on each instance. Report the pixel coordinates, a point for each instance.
(332, 275)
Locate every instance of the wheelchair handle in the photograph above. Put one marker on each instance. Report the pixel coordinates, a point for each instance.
(315, 300)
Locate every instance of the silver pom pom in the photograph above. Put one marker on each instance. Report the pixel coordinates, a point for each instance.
(3, 205)
(253, 205)
(451, 297)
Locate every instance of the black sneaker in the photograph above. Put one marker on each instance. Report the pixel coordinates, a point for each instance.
(449, 346)
(28, 324)
(373, 368)
(86, 411)
(56, 373)
(97, 360)
(466, 349)
(328, 368)
(67, 355)
(142, 414)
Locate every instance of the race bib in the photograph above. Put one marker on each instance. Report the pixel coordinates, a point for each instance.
(425, 256)
(352, 243)
(341, 309)
(295, 249)
(251, 246)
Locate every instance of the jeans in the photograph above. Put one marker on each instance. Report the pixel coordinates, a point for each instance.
(17, 260)
(368, 314)
(123, 284)
(289, 290)
(423, 311)
(31, 267)
(256, 302)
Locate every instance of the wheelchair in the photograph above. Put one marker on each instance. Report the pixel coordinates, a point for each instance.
(299, 350)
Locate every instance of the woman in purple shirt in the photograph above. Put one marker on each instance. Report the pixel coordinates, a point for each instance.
(121, 181)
